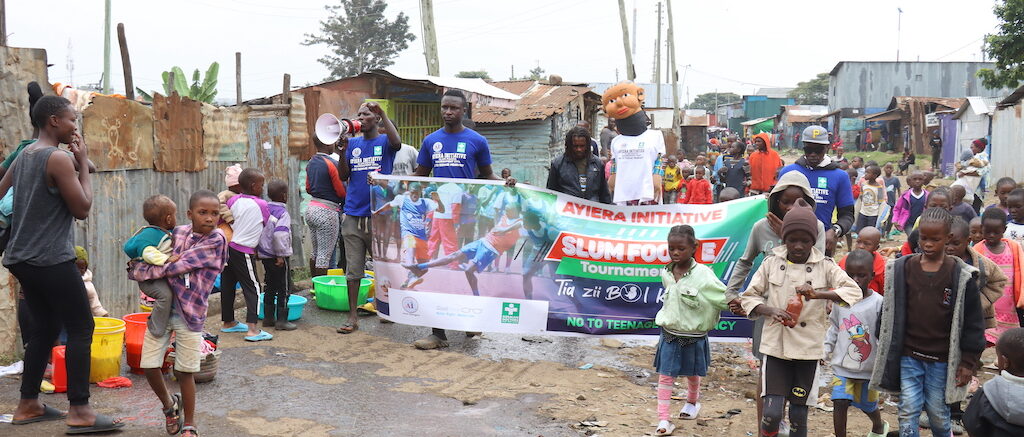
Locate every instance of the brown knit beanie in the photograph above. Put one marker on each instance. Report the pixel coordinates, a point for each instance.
(800, 218)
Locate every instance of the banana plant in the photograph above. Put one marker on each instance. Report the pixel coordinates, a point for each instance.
(204, 90)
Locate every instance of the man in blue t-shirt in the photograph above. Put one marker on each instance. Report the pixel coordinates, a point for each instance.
(830, 185)
(454, 151)
(371, 152)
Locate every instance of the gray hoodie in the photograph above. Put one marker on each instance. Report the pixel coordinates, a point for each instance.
(1006, 394)
(762, 239)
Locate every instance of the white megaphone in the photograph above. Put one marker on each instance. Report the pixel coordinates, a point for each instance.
(330, 128)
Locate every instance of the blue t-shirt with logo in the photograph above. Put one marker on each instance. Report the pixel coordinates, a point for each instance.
(831, 190)
(457, 155)
(413, 215)
(365, 156)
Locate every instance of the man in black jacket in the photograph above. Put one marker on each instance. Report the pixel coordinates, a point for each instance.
(578, 172)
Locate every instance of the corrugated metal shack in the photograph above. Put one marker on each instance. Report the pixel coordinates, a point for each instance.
(906, 115)
(1007, 136)
(794, 118)
(973, 121)
(693, 136)
(176, 147)
(412, 102)
(527, 137)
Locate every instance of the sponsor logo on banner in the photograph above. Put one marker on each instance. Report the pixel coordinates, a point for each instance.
(510, 313)
(410, 305)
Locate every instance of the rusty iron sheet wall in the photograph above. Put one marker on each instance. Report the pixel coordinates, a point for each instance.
(178, 128)
(119, 133)
(299, 142)
(117, 214)
(18, 67)
(225, 132)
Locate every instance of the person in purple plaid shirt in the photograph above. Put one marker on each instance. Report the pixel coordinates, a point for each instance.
(202, 249)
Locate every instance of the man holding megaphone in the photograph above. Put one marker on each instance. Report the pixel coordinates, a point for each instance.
(372, 152)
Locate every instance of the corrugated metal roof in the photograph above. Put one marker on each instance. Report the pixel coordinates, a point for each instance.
(756, 121)
(949, 102)
(1013, 98)
(979, 105)
(537, 101)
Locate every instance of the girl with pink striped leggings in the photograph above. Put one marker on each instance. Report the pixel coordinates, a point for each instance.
(694, 297)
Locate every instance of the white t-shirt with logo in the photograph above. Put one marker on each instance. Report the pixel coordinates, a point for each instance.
(634, 165)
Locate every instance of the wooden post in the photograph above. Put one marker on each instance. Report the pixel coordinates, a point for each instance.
(429, 37)
(3, 23)
(630, 72)
(676, 119)
(286, 94)
(657, 65)
(170, 78)
(106, 49)
(126, 63)
(238, 78)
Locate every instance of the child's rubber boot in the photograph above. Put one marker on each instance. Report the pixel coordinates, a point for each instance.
(285, 326)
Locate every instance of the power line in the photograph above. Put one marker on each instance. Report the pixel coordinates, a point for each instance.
(961, 48)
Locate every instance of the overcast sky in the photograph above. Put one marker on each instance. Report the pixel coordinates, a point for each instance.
(730, 45)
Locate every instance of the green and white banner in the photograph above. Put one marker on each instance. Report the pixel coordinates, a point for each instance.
(475, 255)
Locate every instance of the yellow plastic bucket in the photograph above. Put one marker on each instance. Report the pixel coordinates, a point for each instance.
(107, 348)
(335, 272)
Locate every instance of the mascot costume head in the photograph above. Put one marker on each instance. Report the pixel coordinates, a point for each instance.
(624, 102)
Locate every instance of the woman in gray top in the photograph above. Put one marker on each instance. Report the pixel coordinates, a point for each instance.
(49, 194)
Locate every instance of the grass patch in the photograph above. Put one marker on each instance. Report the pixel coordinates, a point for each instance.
(884, 157)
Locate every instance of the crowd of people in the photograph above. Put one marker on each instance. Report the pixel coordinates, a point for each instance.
(961, 265)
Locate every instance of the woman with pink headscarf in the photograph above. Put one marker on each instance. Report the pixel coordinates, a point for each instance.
(231, 181)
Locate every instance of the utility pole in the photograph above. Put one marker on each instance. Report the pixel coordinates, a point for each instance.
(106, 48)
(3, 23)
(657, 55)
(238, 78)
(675, 74)
(899, 21)
(429, 37)
(634, 27)
(126, 63)
(286, 90)
(630, 72)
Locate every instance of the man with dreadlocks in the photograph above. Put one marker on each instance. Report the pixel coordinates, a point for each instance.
(577, 172)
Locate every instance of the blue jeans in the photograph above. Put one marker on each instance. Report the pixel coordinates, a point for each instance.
(923, 384)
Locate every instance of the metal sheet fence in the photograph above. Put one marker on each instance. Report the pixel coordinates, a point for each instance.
(118, 196)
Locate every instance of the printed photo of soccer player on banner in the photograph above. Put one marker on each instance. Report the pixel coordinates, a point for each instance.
(480, 256)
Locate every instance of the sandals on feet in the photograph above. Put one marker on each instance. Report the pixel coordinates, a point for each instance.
(49, 413)
(348, 328)
(173, 419)
(101, 424)
(263, 335)
(239, 327)
(690, 411)
(664, 428)
(190, 431)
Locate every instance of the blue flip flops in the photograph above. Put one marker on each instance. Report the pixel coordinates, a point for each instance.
(263, 335)
(239, 327)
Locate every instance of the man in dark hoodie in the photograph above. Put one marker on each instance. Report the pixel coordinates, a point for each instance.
(577, 172)
(997, 409)
(830, 185)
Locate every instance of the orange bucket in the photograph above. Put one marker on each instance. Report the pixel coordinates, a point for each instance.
(135, 331)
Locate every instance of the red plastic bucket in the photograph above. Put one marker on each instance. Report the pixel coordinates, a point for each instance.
(135, 331)
(60, 374)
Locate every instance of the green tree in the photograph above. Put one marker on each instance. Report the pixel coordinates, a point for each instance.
(1006, 47)
(707, 101)
(811, 92)
(482, 74)
(360, 38)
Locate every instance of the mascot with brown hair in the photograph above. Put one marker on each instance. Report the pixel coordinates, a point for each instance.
(637, 151)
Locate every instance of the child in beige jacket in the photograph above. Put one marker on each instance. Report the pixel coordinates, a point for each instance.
(792, 343)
